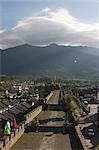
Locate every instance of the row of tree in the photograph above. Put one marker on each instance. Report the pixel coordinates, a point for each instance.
(72, 106)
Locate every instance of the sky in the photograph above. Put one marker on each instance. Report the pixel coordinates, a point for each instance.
(42, 22)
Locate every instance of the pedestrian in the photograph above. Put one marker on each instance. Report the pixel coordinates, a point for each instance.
(14, 123)
(7, 128)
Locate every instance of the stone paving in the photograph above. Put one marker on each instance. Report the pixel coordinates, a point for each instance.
(46, 140)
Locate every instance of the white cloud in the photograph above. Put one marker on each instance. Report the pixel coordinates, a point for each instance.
(50, 26)
(1, 31)
(46, 9)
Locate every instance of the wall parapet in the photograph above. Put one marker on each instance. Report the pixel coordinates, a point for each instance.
(31, 115)
(81, 137)
(49, 96)
(6, 142)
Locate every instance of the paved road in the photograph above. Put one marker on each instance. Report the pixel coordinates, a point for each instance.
(46, 140)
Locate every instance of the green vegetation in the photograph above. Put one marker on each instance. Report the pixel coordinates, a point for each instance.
(97, 148)
(50, 66)
(72, 106)
(3, 86)
(6, 84)
(43, 90)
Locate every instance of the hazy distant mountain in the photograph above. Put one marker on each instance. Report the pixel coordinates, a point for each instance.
(66, 61)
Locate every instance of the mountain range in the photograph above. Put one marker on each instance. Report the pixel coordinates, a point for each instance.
(67, 61)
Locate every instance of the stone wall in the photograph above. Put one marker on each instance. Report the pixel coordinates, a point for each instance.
(8, 141)
(49, 96)
(31, 115)
(81, 138)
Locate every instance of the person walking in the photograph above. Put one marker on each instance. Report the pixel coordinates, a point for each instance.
(14, 123)
(7, 128)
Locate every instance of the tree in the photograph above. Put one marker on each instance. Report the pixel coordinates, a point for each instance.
(71, 104)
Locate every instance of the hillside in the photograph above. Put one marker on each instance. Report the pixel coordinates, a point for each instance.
(66, 61)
